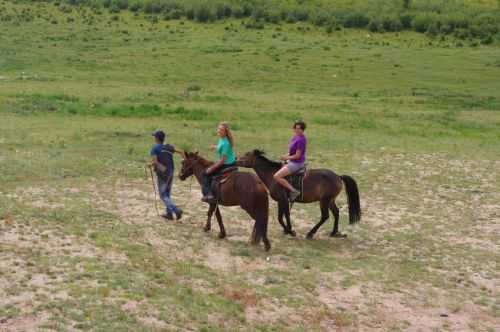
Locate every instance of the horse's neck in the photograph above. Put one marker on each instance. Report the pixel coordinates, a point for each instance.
(198, 170)
(265, 174)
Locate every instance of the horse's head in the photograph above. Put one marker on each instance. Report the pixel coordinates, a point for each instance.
(189, 159)
(249, 159)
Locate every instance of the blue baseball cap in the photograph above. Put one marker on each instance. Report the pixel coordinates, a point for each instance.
(159, 134)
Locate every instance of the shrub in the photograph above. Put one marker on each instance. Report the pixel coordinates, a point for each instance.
(485, 25)
(174, 14)
(422, 21)
(190, 13)
(453, 21)
(290, 18)
(433, 29)
(152, 7)
(114, 9)
(258, 14)
(320, 17)
(273, 16)
(237, 11)
(253, 24)
(356, 20)
(457, 20)
(121, 4)
(461, 34)
(204, 14)
(406, 20)
(299, 14)
(65, 9)
(375, 25)
(222, 11)
(247, 9)
(487, 41)
(135, 6)
(391, 23)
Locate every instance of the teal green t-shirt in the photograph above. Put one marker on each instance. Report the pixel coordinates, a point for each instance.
(224, 149)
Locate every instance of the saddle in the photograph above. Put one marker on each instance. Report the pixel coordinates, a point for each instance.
(220, 179)
(297, 181)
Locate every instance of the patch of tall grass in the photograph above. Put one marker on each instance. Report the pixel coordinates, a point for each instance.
(464, 19)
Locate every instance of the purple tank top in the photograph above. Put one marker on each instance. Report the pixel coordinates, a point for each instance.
(298, 142)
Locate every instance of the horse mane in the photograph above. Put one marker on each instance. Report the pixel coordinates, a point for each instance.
(260, 154)
(204, 162)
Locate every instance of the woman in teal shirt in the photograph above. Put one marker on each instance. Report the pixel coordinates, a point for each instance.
(226, 159)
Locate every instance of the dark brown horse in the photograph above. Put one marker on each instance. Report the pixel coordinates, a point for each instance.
(239, 188)
(320, 185)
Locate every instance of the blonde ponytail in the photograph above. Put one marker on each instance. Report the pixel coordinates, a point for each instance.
(229, 133)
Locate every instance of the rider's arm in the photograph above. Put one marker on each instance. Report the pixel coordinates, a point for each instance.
(294, 156)
(218, 164)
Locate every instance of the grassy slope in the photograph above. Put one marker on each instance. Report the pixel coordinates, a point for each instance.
(409, 117)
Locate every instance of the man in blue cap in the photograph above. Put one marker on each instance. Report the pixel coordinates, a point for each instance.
(163, 163)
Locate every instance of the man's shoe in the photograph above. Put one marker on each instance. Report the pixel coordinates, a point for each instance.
(168, 216)
(294, 195)
(178, 214)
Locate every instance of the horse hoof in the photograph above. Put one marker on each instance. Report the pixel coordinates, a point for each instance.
(339, 235)
(309, 236)
(222, 235)
(267, 246)
(292, 233)
(206, 229)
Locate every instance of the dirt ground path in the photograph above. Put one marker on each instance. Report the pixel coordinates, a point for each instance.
(424, 258)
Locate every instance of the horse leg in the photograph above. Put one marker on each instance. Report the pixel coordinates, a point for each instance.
(280, 217)
(286, 211)
(253, 214)
(208, 225)
(222, 233)
(323, 204)
(336, 214)
(281, 213)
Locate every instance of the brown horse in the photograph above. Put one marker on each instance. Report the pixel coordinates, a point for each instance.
(239, 188)
(320, 185)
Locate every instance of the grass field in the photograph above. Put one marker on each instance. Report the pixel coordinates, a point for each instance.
(415, 120)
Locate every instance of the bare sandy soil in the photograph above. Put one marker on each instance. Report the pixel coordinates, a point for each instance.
(455, 207)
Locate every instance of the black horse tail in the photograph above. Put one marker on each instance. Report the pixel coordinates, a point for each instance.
(351, 188)
(261, 221)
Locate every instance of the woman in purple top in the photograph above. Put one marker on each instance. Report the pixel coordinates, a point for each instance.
(296, 158)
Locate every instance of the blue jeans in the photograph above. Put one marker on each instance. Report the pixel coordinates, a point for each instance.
(164, 188)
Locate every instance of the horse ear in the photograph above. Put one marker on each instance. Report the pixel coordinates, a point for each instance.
(196, 153)
(184, 154)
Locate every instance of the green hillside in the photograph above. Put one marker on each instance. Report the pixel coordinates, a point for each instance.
(463, 19)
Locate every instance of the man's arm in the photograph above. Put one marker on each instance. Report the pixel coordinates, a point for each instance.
(154, 161)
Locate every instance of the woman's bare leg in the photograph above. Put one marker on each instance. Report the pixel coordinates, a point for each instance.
(279, 177)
